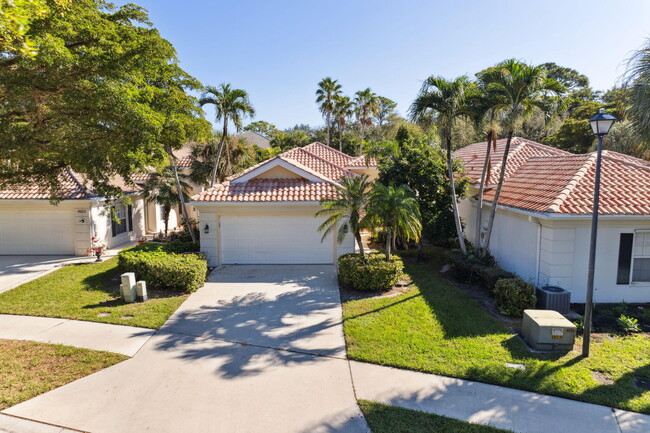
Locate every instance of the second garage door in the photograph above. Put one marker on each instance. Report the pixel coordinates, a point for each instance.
(273, 240)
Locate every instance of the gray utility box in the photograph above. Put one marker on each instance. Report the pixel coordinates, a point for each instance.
(553, 298)
(548, 330)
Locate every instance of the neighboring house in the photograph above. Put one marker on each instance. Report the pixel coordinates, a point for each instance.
(31, 225)
(255, 139)
(265, 215)
(543, 221)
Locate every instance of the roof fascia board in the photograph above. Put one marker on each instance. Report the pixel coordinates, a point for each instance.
(276, 162)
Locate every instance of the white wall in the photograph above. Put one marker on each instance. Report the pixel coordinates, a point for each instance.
(209, 214)
(102, 223)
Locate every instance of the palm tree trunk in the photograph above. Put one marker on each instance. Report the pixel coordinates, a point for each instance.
(389, 241)
(340, 138)
(454, 205)
(493, 210)
(479, 205)
(181, 195)
(357, 236)
(166, 211)
(361, 144)
(329, 123)
(213, 177)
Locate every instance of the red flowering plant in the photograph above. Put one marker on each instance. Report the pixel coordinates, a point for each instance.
(97, 249)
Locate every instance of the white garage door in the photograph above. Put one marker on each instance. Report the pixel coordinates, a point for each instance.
(273, 240)
(36, 232)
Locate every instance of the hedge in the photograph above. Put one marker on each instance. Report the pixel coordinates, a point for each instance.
(372, 273)
(175, 246)
(161, 270)
(474, 271)
(513, 296)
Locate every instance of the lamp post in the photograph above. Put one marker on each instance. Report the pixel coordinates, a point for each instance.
(600, 124)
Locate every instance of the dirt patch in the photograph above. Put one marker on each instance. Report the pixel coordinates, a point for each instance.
(602, 377)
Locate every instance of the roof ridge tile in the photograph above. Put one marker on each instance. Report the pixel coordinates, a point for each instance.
(573, 182)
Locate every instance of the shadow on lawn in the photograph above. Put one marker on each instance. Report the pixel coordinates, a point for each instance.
(627, 387)
(299, 320)
(458, 314)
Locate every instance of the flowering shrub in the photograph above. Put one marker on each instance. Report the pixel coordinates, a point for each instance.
(97, 249)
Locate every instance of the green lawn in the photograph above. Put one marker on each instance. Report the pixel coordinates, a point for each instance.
(88, 292)
(435, 327)
(390, 419)
(28, 369)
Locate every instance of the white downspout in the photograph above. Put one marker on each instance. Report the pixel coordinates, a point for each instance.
(539, 246)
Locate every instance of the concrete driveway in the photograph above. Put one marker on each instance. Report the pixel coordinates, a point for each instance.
(16, 270)
(258, 349)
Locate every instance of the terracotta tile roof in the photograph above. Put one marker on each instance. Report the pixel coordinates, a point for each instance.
(316, 163)
(70, 188)
(363, 161)
(565, 184)
(268, 190)
(316, 158)
(473, 157)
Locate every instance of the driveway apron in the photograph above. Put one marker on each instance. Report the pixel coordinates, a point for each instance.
(258, 349)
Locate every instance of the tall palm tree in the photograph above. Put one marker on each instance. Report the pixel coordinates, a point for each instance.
(347, 210)
(366, 106)
(182, 190)
(230, 105)
(397, 210)
(162, 189)
(638, 78)
(523, 88)
(448, 100)
(328, 91)
(343, 110)
(237, 156)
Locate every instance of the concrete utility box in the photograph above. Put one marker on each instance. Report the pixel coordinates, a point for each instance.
(141, 291)
(127, 289)
(548, 330)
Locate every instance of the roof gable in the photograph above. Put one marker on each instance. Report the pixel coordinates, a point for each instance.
(295, 168)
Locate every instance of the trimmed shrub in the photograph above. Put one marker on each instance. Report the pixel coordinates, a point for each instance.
(374, 273)
(475, 271)
(161, 270)
(513, 296)
(175, 246)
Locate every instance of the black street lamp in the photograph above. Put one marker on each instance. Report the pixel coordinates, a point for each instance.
(600, 124)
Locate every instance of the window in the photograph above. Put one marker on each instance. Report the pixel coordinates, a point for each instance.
(129, 216)
(118, 227)
(641, 257)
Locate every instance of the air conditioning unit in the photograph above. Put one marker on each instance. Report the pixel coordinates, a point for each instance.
(553, 298)
(548, 330)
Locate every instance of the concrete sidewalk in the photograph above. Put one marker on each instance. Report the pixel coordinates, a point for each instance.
(506, 408)
(126, 340)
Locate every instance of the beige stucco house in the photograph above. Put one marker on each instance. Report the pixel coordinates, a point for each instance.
(265, 215)
(543, 221)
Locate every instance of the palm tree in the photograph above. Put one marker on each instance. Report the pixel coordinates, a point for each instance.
(397, 210)
(328, 91)
(343, 110)
(162, 189)
(237, 156)
(638, 78)
(182, 189)
(523, 88)
(448, 100)
(366, 107)
(230, 104)
(347, 210)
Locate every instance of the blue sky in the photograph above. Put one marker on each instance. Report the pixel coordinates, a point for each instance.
(279, 50)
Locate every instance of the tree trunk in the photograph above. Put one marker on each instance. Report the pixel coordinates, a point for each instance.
(357, 236)
(479, 205)
(340, 138)
(454, 205)
(181, 195)
(361, 144)
(213, 177)
(493, 210)
(329, 123)
(166, 211)
(389, 241)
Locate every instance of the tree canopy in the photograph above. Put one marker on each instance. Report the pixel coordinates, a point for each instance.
(102, 93)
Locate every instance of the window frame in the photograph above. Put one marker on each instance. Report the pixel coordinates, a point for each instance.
(646, 233)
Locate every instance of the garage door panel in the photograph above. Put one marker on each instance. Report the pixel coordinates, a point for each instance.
(273, 240)
(36, 232)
